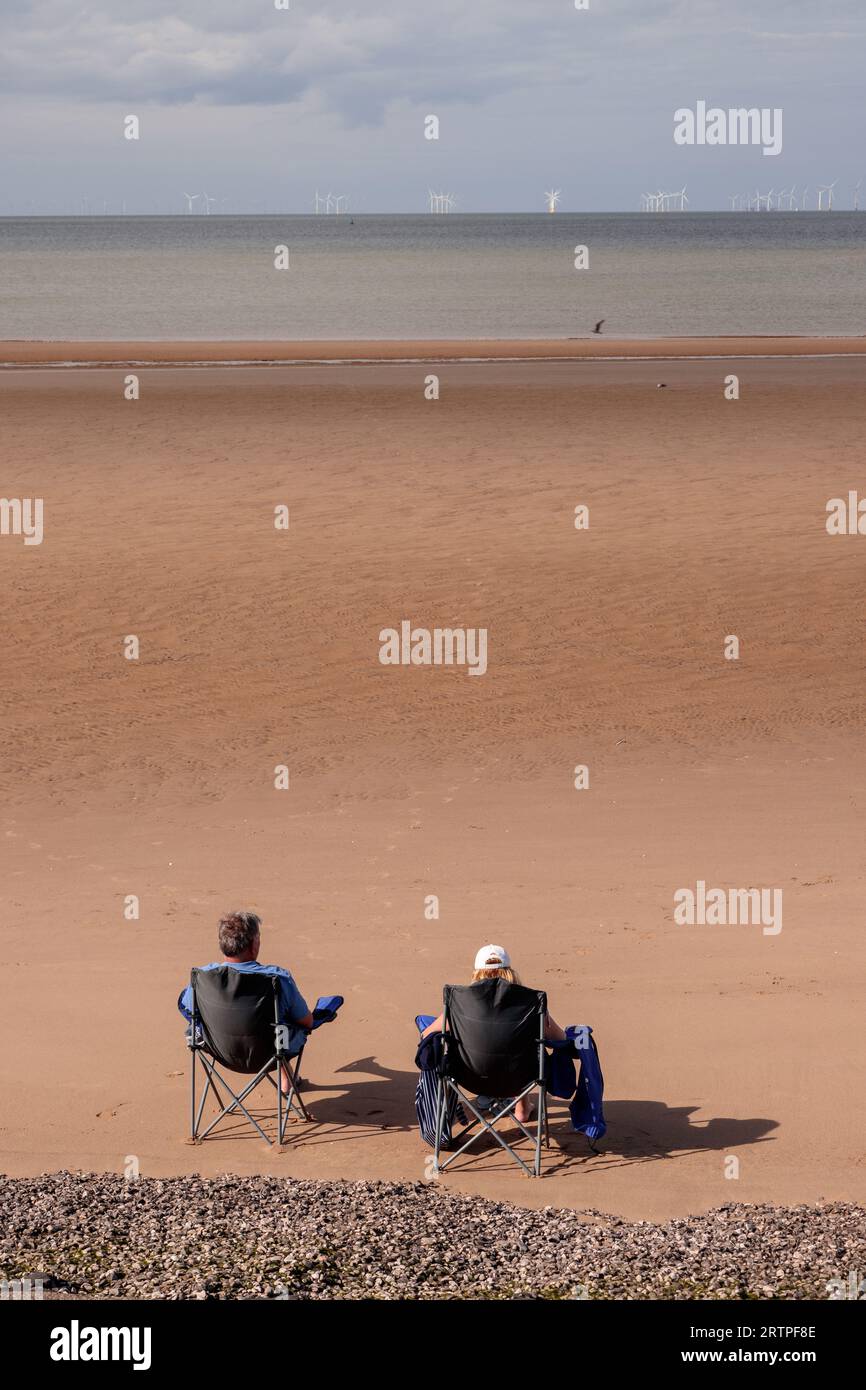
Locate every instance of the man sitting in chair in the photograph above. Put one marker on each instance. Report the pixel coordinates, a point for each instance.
(240, 941)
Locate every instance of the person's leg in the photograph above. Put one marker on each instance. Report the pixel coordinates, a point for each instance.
(286, 1070)
(524, 1109)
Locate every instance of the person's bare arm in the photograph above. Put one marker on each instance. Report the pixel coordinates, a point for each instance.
(552, 1030)
(306, 1023)
(434, 1027)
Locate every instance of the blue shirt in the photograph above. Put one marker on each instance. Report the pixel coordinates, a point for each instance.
(293, 1006)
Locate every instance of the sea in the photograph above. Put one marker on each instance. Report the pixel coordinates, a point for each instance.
(432, 276)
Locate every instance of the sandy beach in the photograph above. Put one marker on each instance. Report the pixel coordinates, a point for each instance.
(88, 353)
(259, 647)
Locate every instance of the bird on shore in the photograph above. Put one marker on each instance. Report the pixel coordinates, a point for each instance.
(597, 328)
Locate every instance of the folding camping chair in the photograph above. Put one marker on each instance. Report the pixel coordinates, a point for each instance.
(236, 1024)
(493, 1044)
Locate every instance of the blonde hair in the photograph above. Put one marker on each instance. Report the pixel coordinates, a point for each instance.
(496, 972)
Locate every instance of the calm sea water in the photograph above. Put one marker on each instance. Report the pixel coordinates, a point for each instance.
(456, 276)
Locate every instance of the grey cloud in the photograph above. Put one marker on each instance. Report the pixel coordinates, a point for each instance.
(345, 81)
(246, 52)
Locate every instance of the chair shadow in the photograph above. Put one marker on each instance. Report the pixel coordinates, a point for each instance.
(645, 1131)
(384, 1102)
(638, 1131)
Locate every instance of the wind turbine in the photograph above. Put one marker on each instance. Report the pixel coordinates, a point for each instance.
(805, 197)
(207, 200)
(682, 197)
(828, 189)
(857, 195)
(553, 197)
(190, 199)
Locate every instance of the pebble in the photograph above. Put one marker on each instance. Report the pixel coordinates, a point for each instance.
(100, 1235)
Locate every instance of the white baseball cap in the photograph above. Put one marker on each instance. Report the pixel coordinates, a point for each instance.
(497, 954)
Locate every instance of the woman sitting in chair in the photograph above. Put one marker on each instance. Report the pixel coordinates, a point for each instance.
(494, 963)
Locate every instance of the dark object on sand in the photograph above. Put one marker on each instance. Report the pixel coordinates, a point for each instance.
(597, 328)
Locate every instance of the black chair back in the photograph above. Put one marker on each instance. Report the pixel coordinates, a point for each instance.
(236, 1012)
(493, 1031)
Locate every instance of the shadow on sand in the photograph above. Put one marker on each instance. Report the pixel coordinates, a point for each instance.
(638, 1131)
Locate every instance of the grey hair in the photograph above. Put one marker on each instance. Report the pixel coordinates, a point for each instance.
(238, 931)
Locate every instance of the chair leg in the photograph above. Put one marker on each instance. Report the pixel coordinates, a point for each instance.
(237, 1101)
(488, 1128)
(192, 1097)
(208, 1087)
(280, 1126)
(441, 1103)
(196, 1113)
(295, 1092)
(292, 1097)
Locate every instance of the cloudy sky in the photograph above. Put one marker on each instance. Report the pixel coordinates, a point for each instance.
(259, 106)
